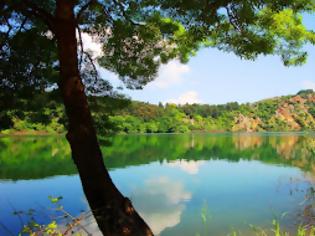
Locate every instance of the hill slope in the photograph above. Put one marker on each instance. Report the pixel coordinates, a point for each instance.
(289, 113)
(286, 113)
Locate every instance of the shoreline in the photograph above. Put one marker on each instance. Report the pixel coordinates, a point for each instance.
(18, 133)
(28, 133)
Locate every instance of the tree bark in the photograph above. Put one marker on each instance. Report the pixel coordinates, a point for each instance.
(113, 212)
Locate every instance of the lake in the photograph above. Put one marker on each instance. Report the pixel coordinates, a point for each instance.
(181, 184)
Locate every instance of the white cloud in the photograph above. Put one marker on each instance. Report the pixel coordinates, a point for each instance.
(190, 167)
(189, 97)
(308, 84)
(90, 44)
(170, 74)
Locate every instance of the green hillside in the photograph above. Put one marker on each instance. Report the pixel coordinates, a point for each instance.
(286, 113)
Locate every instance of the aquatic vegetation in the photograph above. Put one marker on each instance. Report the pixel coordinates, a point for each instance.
(61, 222)
(81, 225)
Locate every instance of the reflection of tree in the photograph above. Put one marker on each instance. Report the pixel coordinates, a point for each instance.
(284, 145)
(36, 157)
(160, 202)
(290, 149)
(243, 142)
(298, 150)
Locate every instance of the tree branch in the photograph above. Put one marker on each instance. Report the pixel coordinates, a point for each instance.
(91, 61)
(7, 35)
(232, 19)
(81, 46)
(10, 29)
(82, 52)
(105, 11)
(22, 24)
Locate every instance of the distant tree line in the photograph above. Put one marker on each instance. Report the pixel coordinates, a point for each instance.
(119, 115)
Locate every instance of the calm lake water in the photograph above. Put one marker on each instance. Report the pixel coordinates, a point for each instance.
(181, 184)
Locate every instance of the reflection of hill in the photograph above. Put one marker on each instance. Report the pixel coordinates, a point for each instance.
(243, 142)
(284, 145)
(39, 157)
(34, 157)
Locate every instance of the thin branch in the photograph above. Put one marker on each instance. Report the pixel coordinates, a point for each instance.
(10, 28)
(22, 25)
(82, 52)
(91, 61)
(7, 35)
(81, 46)
(232, 19)
(105, 11)
(76, 221)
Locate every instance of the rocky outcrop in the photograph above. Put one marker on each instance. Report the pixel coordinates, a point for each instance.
(245, 123)
(292, 113)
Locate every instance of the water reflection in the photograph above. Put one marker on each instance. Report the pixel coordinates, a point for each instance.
(161, 202)
(20, 157)
(190, 167)
(242, 179)
(247, 141)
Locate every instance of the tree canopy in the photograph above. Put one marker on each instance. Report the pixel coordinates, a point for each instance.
(137, 36)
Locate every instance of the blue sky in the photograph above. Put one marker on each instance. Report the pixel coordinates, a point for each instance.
(216, 77)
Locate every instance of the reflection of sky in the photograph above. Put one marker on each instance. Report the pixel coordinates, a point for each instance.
(237, 194)
(161, 201)
(190, 167)
(26, 194)
(170, 196)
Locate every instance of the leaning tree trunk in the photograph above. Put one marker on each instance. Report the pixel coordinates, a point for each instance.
(113, 212)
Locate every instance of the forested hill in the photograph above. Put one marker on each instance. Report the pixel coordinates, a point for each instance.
(286, 113)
